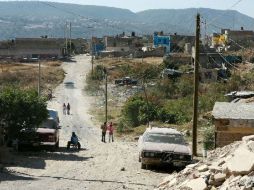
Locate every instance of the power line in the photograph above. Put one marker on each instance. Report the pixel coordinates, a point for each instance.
(216, 18)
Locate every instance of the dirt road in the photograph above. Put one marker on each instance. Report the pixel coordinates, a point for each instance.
(98, 166)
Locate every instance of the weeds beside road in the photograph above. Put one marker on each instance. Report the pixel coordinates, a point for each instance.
(25, 75)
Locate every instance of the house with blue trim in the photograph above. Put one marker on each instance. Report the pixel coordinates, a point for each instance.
(161, 40)
(97, 45)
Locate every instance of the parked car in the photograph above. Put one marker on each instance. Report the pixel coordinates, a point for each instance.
(48, 133)
(163, 146)
(27, 137)
(126, 81)
(45, 135)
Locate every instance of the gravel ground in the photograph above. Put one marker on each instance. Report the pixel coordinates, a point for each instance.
(97, 166)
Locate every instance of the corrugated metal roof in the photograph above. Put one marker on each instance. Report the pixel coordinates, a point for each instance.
(226, 110)
(240, 93)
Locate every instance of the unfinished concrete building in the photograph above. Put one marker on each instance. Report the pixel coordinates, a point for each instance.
(232, 122)
(122, 44)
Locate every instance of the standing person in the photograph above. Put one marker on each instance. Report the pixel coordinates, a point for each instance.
(111, 131)
(103, 132)
(68, 109)
(64, 109)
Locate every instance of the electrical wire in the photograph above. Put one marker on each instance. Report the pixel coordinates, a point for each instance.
(216, 18)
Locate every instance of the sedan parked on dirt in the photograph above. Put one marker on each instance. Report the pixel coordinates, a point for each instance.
(163, 146)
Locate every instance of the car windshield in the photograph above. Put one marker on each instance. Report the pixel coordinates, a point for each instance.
(49, 123)
(164, 138)
(52, 114)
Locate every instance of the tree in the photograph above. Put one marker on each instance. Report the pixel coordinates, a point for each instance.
(21, 109)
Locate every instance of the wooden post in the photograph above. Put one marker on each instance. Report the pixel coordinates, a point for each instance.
(106, 95)
(196, 84)
(39, 79)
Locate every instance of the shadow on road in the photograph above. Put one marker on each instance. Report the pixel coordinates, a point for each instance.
(10, 176)
(37, 160)
(168, 169)
(22, 176)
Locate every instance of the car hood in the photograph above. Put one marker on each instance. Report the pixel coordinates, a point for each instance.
(45, 130)
(165, 147)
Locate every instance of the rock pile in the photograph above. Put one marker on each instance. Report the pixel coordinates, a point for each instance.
(227, 168)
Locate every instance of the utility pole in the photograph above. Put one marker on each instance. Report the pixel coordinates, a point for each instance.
(66, 38)
(106, 94)
(147, 103)
(92, 56)
(39, 79)
(206, 36)
(70, 37)
(92, 64)
(196, 84)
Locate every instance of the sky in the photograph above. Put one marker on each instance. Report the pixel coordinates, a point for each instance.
(244, 6)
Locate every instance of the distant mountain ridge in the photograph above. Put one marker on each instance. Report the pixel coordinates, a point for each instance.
(34, 18)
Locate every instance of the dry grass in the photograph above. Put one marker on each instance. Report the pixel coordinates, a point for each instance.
(122, 67)
(26, 75)
(109, 62)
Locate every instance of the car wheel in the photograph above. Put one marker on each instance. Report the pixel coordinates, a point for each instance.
(143, 166)
(79, 146)
(68, 145)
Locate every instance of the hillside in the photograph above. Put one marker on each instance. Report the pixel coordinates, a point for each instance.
(33, 19)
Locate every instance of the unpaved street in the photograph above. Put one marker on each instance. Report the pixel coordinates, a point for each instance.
(97, 166)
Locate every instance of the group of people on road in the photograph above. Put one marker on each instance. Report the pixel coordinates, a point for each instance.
(104, 129)
(66, 109)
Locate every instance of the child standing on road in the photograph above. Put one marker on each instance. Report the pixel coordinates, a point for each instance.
(64, 109)
(103, 132)
(111, 130)
(68, 109)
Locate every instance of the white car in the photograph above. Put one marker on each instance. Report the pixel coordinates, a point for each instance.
(163, 146)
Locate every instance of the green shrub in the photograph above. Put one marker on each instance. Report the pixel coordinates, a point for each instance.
(21, 109)
(165, 116)
(131, 110)
(138, 111)
(209, 138)
(180, 110)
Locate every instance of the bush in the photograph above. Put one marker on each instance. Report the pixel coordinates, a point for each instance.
(131, 110)
(209, 138)
(179, 110)
(21, 109)
(137, 111)
(165, 116)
